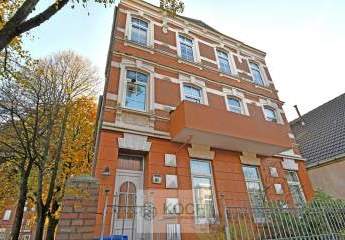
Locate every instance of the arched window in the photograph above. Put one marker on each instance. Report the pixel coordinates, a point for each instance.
(257, 76)
(234, 105)
(136, 92)
(270, 114)
(127, 201)
(139, 32)
(192, 93)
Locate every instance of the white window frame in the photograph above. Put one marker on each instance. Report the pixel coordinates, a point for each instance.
(192, 86)
(7, 215)
(295, 183)
(230, 61)
(264, 82)
(3, 234)
(236, 94)
(239, 100)
(210, 176)
(191, 80)
(147, 90)
(147, 31)
(259, 181)
(274, 111)
(150, 31)
(195, 48)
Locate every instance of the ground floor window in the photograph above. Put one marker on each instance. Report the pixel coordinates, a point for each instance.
(203, 191)
(255, 190)
(295, 188)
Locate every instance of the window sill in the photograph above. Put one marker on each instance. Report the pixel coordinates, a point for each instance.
(131, 110)
(194, 64)
(230, 75)
(205, 221)
(242, 113)
(147, 48)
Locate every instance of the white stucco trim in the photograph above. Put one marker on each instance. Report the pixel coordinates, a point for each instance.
(191, 80)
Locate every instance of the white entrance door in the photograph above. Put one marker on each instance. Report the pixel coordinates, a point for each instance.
(128, 219)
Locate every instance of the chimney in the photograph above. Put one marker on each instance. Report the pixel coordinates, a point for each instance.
(299, 115)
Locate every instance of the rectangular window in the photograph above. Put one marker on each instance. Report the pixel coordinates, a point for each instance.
(136, 91)
(234, 105)
(7, 215)
(270, 114)
(255, 191)
(257, 77)
(186, 47)
(139, 31)
(203, 192)
(3, 234)
(192, 94)
(295, 188)
(224, 63)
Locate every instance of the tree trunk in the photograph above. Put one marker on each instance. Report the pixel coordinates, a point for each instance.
(41, 218)
(23, 192)
(52, 224)
(20, 210)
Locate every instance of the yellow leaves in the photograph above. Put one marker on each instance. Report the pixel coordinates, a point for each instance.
(172, 7)
(78, 145)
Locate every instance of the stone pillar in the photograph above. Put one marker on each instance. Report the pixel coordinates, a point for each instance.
(79, 209)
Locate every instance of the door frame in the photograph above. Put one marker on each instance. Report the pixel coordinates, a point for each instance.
(140, 190)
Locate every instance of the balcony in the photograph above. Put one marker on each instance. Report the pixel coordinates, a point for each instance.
(200, 124)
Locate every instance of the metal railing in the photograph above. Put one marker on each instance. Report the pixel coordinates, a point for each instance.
(315, 221)
(135, 222)
(318, 220)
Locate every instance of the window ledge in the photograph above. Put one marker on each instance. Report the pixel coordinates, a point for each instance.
(194, 64)
(148, 48)
(130, 110)
(230, 75)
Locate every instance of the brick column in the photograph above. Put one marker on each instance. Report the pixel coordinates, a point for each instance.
(79, 209)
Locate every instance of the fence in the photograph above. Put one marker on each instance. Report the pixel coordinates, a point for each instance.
(319, 221)
(315, 221)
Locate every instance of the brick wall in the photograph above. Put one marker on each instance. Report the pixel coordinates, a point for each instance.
(78, 216)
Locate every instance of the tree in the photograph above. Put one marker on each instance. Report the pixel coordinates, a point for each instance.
(16, 16)
(35, 106)
(172, 7)
(75, 78)
(21, 127)
(77, 154)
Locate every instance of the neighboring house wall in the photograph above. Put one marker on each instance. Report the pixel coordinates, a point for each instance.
(329, 178)
(7, 217)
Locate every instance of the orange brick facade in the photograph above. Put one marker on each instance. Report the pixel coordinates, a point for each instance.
(228, 142)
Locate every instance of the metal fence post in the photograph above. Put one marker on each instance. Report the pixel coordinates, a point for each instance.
(226, 227)
(104, 212)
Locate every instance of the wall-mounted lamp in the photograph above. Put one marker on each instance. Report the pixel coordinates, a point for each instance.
(106, 171)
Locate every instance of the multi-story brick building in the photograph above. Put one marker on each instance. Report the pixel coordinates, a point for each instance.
(190, 117)
(7, 219)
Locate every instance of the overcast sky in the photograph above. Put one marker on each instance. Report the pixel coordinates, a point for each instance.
(304, 40)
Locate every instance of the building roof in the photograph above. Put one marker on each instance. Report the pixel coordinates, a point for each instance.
(322, 137)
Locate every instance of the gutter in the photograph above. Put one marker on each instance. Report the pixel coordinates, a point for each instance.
(337, 158)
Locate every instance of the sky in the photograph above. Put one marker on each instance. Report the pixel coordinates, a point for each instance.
(304, 40)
